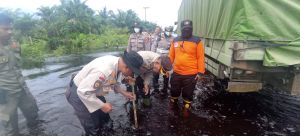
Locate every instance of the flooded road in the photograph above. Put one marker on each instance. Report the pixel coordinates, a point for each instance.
(214, 112)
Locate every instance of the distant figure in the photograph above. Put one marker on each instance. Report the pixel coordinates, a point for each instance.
(187, 56)
(137, 40)
(14, 92)
(163, 47)
(87, 89)
(147, 41)
(155, 38)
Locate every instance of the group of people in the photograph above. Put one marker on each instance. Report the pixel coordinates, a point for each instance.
(146, 58)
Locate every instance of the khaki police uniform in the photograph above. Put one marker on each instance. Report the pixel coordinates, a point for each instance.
(164, 45)
(146, 73)
(155, 38)
(87, 89)
(137, 42)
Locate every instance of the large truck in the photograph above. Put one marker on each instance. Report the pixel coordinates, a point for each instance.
(250, 44)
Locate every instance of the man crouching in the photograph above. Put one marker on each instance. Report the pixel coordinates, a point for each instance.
(87, 89)
(153, 63)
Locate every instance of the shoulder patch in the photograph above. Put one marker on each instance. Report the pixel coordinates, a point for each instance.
(195, 39)
(176, 44)
(102, 77)
(97, 84)
(3, 59)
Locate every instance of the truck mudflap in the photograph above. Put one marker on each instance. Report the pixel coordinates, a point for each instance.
(243, 87)
(296, 85)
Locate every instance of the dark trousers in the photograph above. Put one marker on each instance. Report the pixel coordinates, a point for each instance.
(166, 84)
(184, 84)
(155, 81)
(91, 122)
(156, 85)
(139, 88)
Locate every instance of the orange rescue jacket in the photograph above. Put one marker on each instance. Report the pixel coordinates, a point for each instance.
(187, 56)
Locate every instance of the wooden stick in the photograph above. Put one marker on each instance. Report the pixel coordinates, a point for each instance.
(134, 108)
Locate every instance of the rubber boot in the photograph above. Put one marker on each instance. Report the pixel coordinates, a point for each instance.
(186, 109)
(146, 102)
(173, 104)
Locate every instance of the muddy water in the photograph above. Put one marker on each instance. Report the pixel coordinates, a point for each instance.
(214, 112)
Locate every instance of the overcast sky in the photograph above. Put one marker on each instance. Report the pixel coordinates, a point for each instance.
(162, 12)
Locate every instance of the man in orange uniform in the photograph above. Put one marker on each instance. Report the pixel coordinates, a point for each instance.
(187, 55)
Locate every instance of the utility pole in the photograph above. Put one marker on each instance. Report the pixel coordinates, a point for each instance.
(146, 13)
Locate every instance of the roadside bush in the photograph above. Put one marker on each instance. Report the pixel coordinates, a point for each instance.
(33, 55)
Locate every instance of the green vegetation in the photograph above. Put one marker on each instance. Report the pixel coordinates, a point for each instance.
(71, 28)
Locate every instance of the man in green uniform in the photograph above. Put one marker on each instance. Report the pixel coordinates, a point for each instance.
(14, 93)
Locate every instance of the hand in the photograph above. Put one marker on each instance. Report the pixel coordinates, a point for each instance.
(128, 95)
(107, 107)
(130, 80)
(146, 89)
(167, 74)
(199, 77)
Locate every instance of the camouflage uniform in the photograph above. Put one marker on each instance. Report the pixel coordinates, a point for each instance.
(147, 41)
(164, 45)
(137, 42)
(162, 48)
(13, 91)
(155, 38)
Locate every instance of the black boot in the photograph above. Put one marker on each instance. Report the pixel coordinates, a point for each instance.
(186, 109)
(173, 104)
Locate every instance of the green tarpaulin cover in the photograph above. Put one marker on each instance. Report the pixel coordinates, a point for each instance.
(273, 21)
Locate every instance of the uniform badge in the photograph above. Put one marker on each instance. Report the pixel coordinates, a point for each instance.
(97, 84)
(176, 44)
(3, 59)
(112, 78)
(102, 77)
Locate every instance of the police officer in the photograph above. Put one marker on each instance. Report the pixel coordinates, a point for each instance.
(87, 89)
(162, 48)
(14, 93)
(155, 38)
(137, 40)
(153, 63)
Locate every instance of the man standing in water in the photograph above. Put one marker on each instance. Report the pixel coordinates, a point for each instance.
(187, 56)
(14, 92)
(87, 89)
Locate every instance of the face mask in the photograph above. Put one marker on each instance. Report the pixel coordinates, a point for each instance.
(186, 33)
(167, 33)
(136, 30)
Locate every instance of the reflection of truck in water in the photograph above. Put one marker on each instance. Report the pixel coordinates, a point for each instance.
(249, 43)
